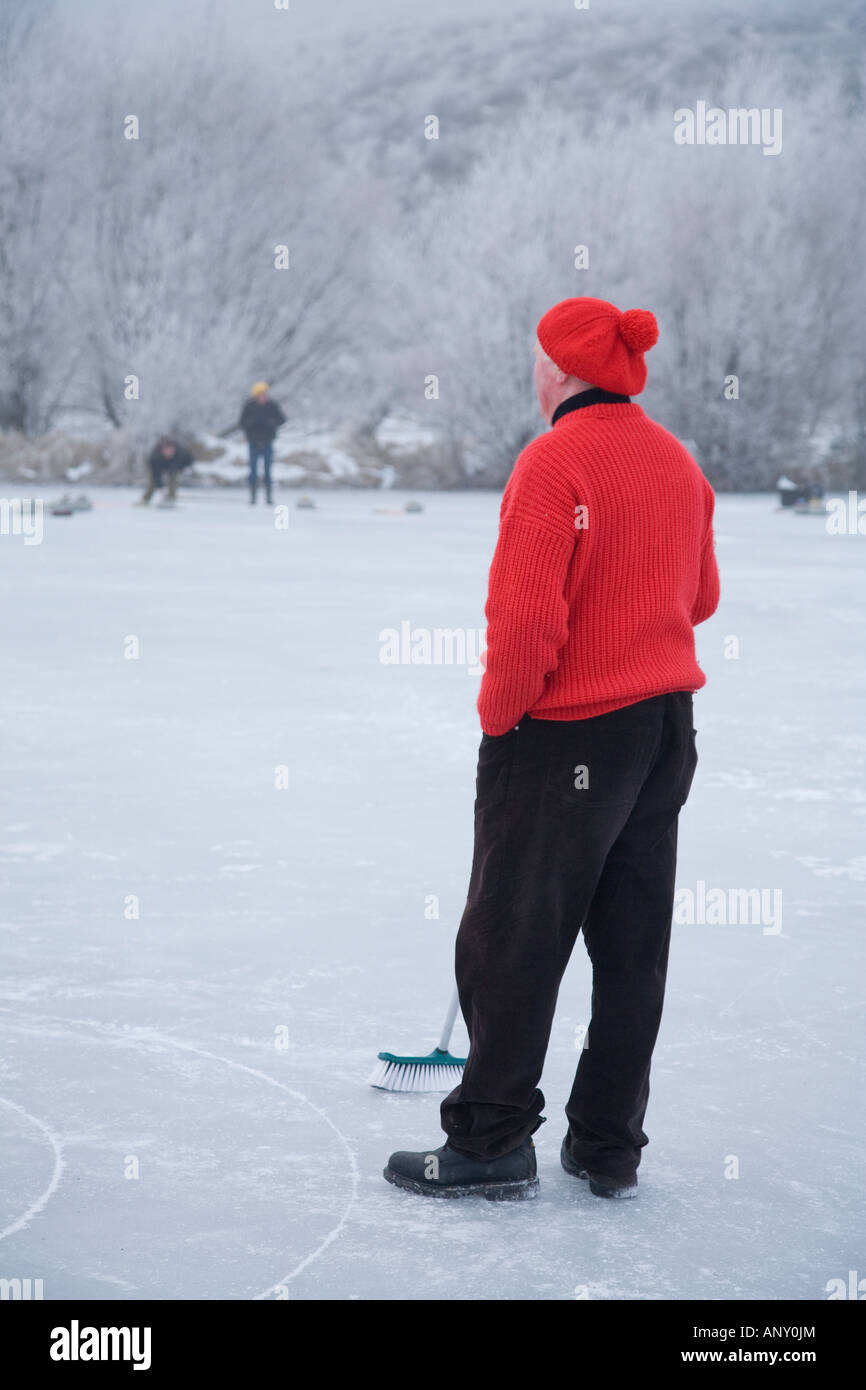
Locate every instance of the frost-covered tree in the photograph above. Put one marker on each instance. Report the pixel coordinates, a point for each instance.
(482, 261)
(758, 286)
(223, 251)
(749, 262)
(38, 213)
(419, 266)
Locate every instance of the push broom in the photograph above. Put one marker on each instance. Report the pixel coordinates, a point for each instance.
(438, 1071)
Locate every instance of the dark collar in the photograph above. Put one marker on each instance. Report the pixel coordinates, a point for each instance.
(596, 395)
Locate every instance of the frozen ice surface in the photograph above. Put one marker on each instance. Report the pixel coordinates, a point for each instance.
(221, 1039)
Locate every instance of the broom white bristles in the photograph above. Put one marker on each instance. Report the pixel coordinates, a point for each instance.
(437, 1071)
(412, 1076)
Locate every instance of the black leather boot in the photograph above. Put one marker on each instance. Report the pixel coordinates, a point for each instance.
(446, 1173)
(599, 1185)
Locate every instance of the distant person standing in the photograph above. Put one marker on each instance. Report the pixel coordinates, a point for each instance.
(260, 419)
(165, 463)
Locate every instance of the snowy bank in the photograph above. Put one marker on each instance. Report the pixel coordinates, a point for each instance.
(398, 451)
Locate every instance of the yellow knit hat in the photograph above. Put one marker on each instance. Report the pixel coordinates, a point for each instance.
(258, 387)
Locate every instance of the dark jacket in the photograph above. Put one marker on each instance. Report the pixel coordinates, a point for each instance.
(181, 458)
(260, 420)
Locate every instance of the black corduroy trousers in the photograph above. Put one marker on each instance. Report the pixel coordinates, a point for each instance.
(575, 829)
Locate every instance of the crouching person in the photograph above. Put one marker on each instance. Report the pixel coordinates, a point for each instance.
(167, 460)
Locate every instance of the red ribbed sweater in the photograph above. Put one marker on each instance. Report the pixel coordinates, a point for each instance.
(591, 610)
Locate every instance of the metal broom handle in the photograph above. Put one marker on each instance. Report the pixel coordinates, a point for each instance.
(448, 1026)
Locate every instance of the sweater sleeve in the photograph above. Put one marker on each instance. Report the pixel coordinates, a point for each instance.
(526, 611)
(707, 598)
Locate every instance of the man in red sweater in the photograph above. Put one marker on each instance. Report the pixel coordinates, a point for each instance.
(605, 562)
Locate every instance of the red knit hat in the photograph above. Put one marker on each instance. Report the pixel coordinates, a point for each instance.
(592, 340)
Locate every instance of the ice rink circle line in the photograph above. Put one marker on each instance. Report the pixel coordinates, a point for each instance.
(45, 1196)
(332, 1235)
(152, 1036)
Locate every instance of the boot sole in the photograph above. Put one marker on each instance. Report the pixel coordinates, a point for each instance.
(521, 1189)
(597, 1188)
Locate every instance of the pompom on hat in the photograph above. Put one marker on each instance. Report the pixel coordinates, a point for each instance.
(593, 340)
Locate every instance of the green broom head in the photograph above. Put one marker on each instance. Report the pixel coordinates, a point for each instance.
(438, 1071)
